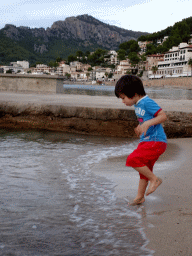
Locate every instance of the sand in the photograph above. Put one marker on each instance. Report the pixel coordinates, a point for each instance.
(167, 213)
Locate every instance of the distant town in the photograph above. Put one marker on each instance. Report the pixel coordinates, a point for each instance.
(177, 62)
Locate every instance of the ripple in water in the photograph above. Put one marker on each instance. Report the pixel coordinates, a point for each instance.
(53, 204)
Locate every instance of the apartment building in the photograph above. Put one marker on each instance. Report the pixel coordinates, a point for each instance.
(175, 61)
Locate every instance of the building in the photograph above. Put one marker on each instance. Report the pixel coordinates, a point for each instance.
(190, 40)
(113, 57)
(24, 64)
(153, 60)
(123, 67)
(14, 67)
(43, 69)
(143, 46)
(100, 73)
(176, 61)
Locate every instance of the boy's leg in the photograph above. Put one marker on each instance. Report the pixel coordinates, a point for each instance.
(141, 192)
(154, 180)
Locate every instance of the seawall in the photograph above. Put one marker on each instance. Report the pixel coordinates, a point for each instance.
(181, 82)
(96, 115)
(31, 83)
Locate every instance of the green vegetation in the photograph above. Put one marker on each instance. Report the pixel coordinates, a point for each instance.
(154, 69)
(190, 64)
(179, 32)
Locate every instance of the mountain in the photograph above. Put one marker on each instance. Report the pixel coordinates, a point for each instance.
(83, 33)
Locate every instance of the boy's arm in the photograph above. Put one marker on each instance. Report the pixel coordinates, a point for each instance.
(160, 118)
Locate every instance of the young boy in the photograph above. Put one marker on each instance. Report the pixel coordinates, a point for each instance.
(153, 141)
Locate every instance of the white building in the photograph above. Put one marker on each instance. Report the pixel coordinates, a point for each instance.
(123, 67)
(42, 69)
(15, 67)
(113, 57)
(24, 63)
(176, 61)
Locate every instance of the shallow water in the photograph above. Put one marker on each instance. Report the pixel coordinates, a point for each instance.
(53, 204)
(104, 90)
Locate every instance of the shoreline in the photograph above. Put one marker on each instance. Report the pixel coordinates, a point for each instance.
(166, 215)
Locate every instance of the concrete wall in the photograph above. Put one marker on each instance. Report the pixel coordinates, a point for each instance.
(31, 83)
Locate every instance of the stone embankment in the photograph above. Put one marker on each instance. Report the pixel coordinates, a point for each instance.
(96, 115)
(179, 82)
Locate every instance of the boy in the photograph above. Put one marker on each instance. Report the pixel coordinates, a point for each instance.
(153, 141)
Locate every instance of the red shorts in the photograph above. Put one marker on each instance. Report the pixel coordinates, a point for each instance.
(146, 154)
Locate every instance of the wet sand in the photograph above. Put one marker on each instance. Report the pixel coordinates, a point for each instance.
(167, 213)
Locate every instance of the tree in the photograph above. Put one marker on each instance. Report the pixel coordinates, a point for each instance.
(134, 47)
(87, 53)
(68, 75)
(53, 64)
(121, 54)
(59, 59)
(130, 46)
(10, 71)
(128, 72)
(190, 64)
(79, 54)
(151, 49)
(154, 69)
(110, 75)
(97, 58)
(71, 58)
(134, 58)
(88, 75)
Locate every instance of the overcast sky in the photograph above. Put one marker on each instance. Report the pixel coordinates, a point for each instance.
(137, 15)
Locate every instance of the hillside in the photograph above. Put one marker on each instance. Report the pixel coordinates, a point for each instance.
(180, 32)
(83, 33)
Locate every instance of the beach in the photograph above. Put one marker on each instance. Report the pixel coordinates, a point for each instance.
(166, 215)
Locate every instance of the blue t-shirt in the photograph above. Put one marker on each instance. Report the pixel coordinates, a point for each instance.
(147, 109)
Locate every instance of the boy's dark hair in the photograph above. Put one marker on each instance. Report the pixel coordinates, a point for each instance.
(129, 85)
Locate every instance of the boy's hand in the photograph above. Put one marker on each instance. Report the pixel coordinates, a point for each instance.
(140, 129)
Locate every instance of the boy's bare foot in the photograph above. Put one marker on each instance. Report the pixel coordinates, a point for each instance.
(153, 186)
(138, 201)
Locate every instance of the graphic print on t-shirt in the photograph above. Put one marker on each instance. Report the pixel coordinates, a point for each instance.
(146, 109)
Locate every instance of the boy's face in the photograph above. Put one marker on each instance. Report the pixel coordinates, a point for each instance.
(128, 101)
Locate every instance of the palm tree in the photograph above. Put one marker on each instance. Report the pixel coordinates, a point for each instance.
(190, 64)
(154, 69)
(88, 75)
(106, 74)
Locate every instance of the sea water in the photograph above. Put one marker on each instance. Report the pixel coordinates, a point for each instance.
(104, 90)
(52, 203)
